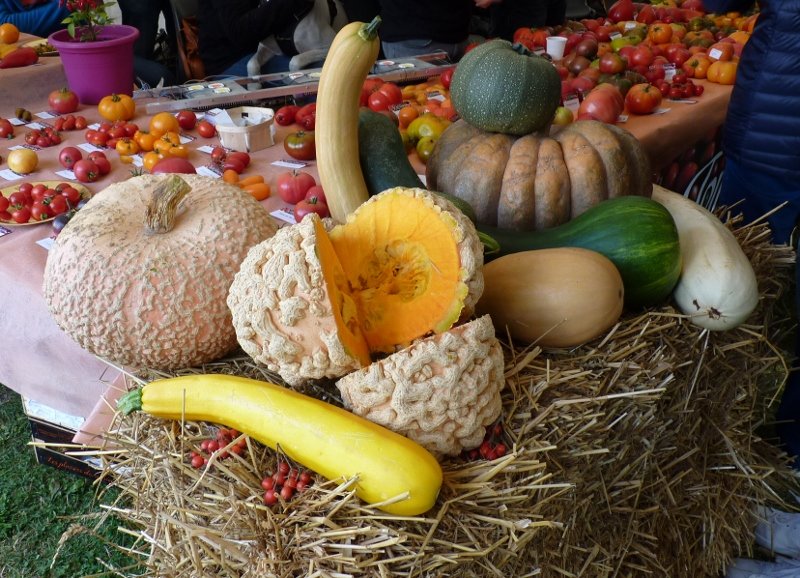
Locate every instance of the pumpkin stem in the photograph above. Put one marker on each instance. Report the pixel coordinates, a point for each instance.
(159, 217)
(490, 244)
(130, 402)
(368, 32)
(521, 49)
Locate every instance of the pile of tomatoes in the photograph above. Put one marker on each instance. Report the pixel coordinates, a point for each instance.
(33, 202)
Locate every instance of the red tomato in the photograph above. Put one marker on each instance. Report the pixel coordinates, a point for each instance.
(4, 204)
(173, 165)
(300, 145)
(206, 129)
(101, 161)
(57, 204)
(241, 156)
(316, 192)
(6, 129)
(21, 215)
(63, 101)
(307, 116)
(285, 115)
(293, 185)
(603, 103)
(378, 101)
(187, 120)
(447, 77)
(86, 171)
(306, 206)
(392, 92)
(19, 199)
(643, 98)
(69, 156)
(72, 195)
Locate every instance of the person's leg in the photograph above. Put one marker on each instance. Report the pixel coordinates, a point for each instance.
(417, 46)
(142, 14)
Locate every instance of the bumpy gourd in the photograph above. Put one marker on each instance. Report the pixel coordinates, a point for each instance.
(536, 182)
(309, 303)
(441, 391)
(153, 295)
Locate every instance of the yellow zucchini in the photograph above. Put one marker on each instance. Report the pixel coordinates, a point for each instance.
(322, 437)
(350, 58)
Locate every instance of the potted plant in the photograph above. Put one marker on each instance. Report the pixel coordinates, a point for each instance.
(97, 54)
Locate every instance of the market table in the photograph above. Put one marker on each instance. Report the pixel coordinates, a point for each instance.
(39, 361)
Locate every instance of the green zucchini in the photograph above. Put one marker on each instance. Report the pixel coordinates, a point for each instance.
(637, 234)
(384, 161)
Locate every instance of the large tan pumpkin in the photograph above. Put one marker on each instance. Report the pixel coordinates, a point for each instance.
(536, 182)
(311, 303)
(154, 295)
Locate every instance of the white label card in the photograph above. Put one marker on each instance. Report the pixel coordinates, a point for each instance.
(289, 164)
(284, 214)
(10, 175)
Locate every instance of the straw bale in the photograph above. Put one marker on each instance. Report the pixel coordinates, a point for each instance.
(638, 454)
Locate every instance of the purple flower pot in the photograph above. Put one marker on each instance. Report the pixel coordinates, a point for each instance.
(97, 69)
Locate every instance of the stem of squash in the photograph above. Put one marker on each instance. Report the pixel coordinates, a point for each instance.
(368, 32)
(130, 402)
(490, 244)
(159, 216)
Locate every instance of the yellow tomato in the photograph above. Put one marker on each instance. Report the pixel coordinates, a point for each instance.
(150, 159)
(127, 146)
(164, 122)
(22, 161)
(117, 107)
(9, 33)
(425, 125)
(145, 139)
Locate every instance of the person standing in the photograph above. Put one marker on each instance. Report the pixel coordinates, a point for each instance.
(761, 142)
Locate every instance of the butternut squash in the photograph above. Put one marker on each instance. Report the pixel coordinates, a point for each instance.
(552, 297)
(349, 60)
(394, 473)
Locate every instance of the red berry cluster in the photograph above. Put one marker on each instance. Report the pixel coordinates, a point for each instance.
(43, 138)
(680, 87)
(492, 446)
(223, 439)
(284, 483)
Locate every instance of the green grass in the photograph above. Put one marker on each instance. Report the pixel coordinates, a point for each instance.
(39, 503)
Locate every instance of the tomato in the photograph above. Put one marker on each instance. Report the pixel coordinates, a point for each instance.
(187, 119)
(241, 156)
(234, 164)
(307, 116)
(721, 51)
(392, 92)
(425, 147)
(378, 101)
(9, 33)
(316, 192)
(164, 122)
(173, 165)
(22, 161)
(4, 203)
(425, 125)
(218, 154)
(19, 199)
(127, 146)
(40, 211)
(63, 101)
(97, 138)
(604, 103)
(659, 33)
(72, 195)
(407, 114)
(563, 116)
(206, 129)
(312, 205)
(150, 159)
(102, 163)
(722, 72)
(643, 98)
(86, 171)
(146, 140)
(285, 115)
(21, 215)
(300, 145)
(69, 156)
(6, 129)
(293, 185)
(117, 107)
(57, 204)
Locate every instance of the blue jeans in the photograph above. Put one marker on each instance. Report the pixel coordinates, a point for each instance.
(278, 63)
(413, 47)
(761, 193)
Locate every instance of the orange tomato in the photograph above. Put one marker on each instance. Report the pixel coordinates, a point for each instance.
(145, 140)
(117, 107)
(406, 114)
(250, 180)
(260, 191)
(127, 146)
(164, 122)
(150, 159)
(230, 176)
(721, 51)
(9, 33)
(697, 66)
(722, 72)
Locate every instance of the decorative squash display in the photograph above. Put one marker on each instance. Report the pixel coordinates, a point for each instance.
(500, 87)
(553, 297)
(140, 274)
(535, 182)
(393, 472)
(442, 391)
(309, 303)
(718, 287)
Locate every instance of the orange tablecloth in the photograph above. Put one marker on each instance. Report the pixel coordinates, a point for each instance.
(42, 363)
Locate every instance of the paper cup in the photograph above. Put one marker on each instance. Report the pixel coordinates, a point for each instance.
(555, 46)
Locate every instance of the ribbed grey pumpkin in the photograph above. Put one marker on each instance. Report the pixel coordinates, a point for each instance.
(498, 87)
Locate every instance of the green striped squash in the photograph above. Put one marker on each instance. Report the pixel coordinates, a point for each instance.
(637, 234)
(498, 87)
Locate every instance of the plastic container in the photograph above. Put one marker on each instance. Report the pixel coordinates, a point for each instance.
(245, 135)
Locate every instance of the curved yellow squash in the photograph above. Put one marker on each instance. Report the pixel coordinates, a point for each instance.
(324, 438)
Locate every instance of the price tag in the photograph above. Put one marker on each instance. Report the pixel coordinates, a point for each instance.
(669, 72)
(36, 125)
(630, 25)
(715, 54)
(572, 102)
(289, 164)
(46, 243)
(4, 231)
(208, 149)
(89, 147)
(137, 160)
(10, 175)
(284, 214)
(16, 121)
(208, 171)
(44, 114)
(67, 174)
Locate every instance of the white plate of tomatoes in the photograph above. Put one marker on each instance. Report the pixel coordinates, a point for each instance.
(33, 203)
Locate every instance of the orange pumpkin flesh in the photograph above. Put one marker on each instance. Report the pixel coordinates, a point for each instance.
(402, 263)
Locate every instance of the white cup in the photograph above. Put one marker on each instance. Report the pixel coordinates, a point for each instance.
(555, 46)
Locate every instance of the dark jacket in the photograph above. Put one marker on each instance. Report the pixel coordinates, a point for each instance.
(762, 129)
(39, 19)
(229, 30)
(437, 20)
